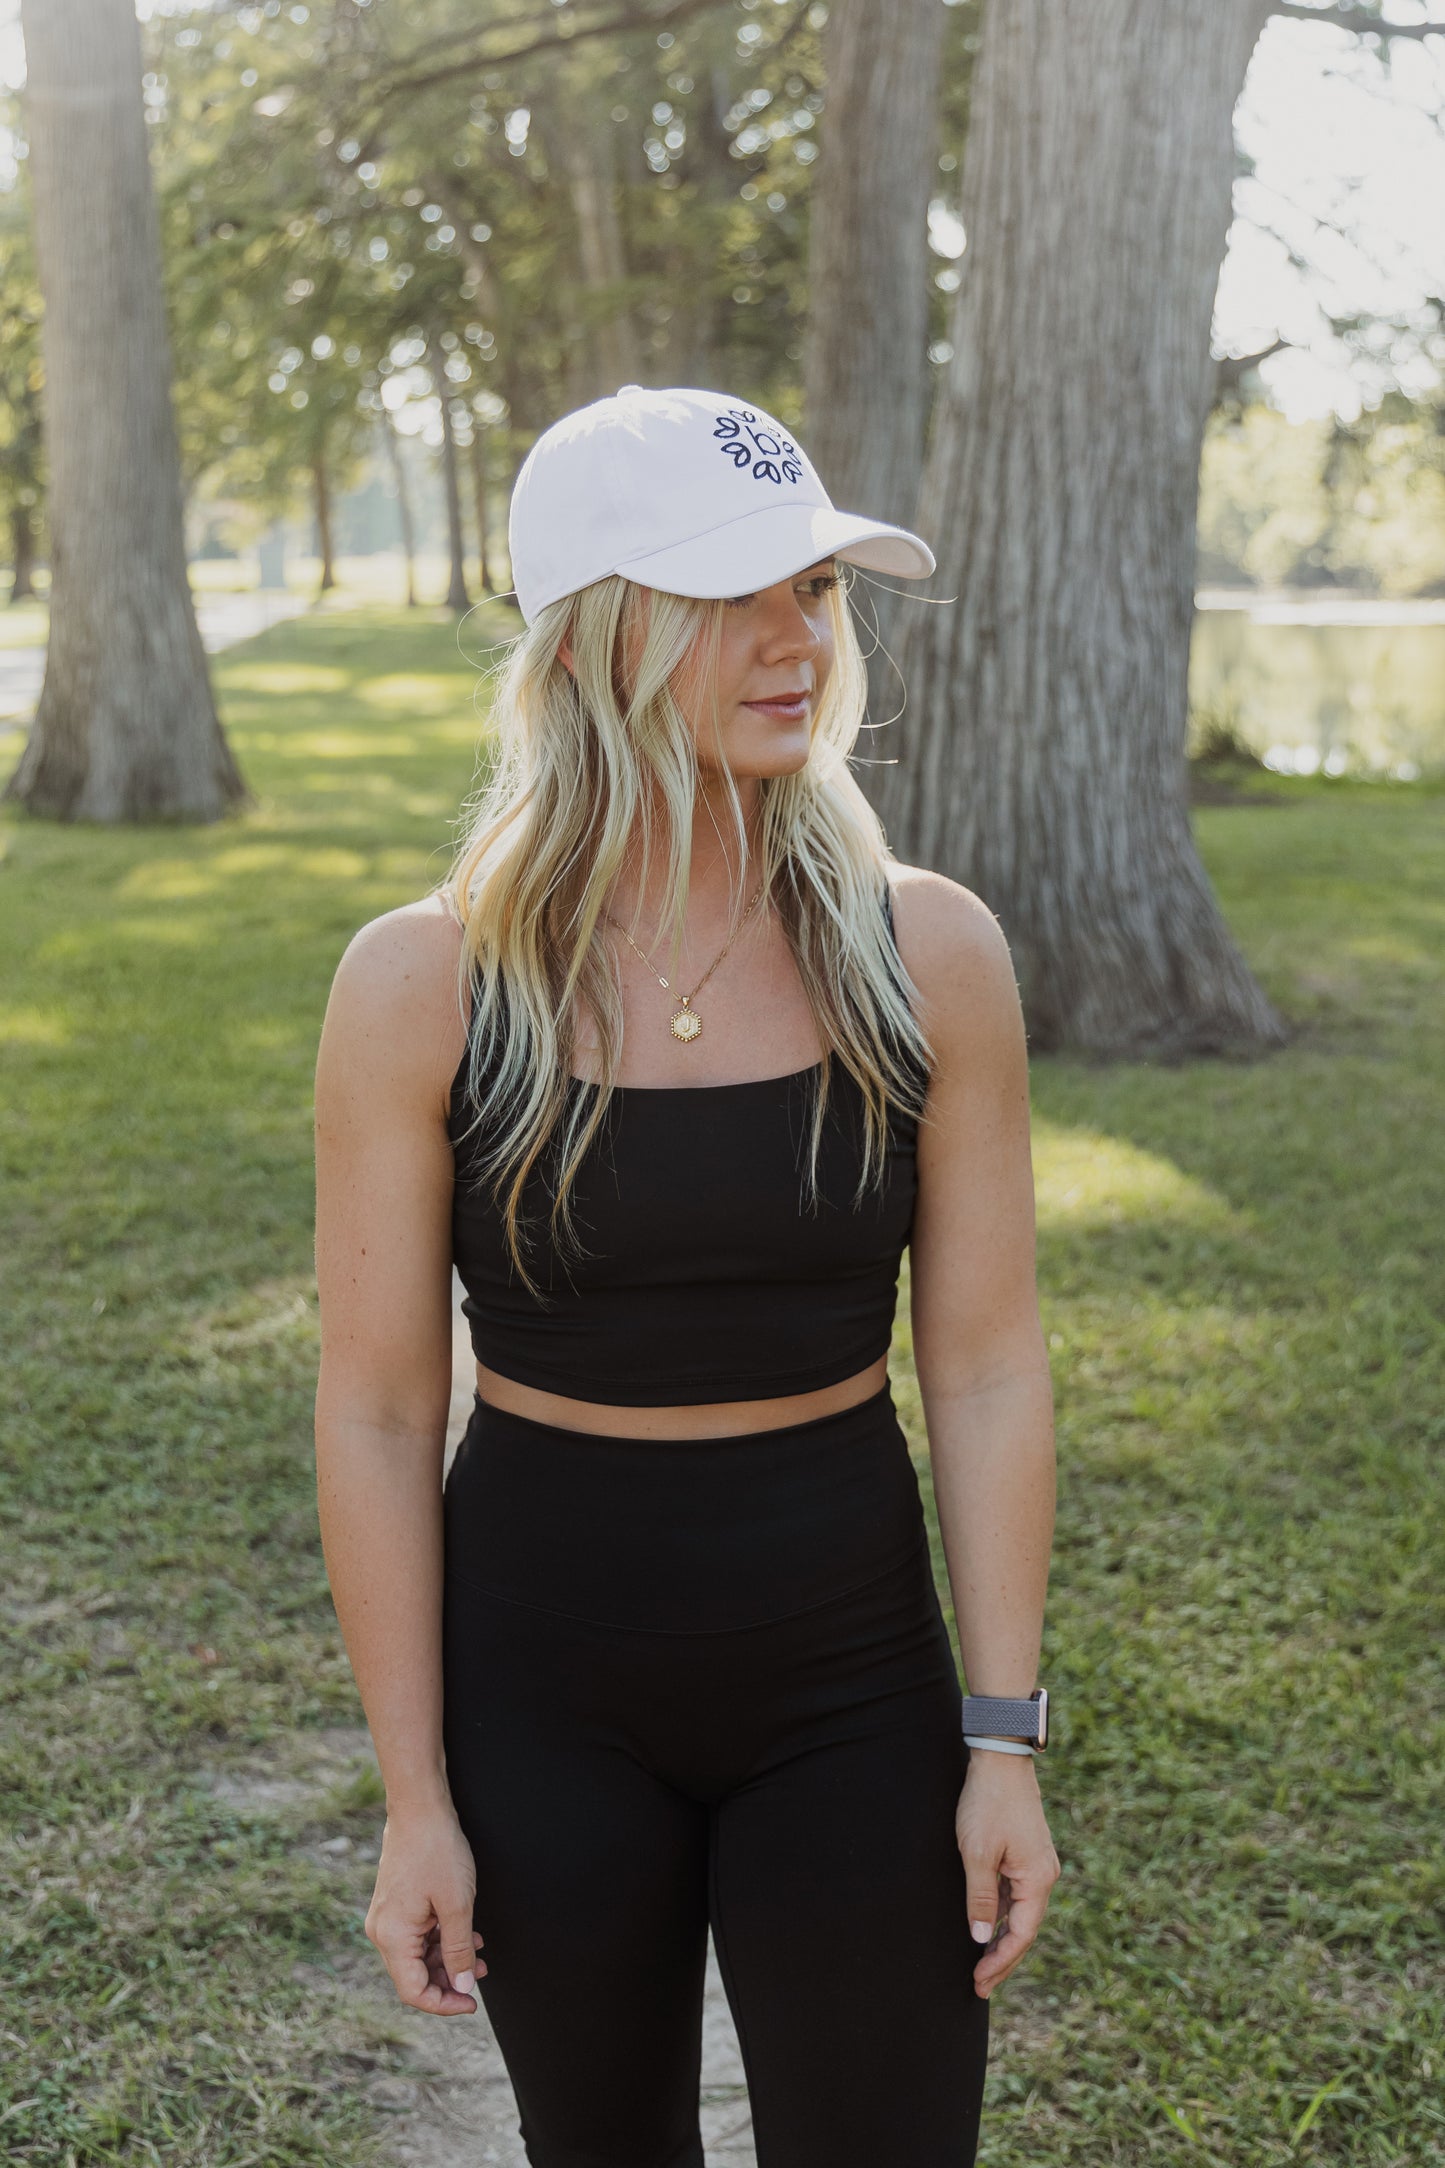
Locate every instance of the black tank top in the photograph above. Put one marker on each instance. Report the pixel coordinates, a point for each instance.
(707, 1274)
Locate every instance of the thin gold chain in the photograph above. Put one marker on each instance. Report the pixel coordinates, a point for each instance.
(687, 999)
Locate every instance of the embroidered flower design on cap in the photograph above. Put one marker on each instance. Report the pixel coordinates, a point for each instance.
(771, 457)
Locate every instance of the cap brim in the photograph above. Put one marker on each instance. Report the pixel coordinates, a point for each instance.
(767, 545)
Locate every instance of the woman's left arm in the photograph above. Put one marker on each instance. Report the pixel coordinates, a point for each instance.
(983, 1374)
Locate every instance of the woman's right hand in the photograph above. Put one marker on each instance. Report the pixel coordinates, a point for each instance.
(420, 1916)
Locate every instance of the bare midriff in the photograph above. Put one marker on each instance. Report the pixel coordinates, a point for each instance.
(704, 1419)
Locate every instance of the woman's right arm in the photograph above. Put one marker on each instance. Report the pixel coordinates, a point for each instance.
(389, 1047)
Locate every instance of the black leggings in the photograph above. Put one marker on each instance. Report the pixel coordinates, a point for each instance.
(708, 1681)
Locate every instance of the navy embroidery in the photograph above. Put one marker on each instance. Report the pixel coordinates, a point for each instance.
(748, 443)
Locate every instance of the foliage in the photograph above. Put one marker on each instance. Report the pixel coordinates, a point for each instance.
(1239, 1267)
(1323, 503)
(1216, 740)
(22, 455)
(389, 202)
(328, 238)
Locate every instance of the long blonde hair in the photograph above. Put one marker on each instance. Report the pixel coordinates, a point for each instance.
(588, 762)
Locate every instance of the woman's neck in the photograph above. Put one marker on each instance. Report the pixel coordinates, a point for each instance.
(713, 869)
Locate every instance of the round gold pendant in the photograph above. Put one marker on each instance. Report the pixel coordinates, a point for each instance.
(687, 1024)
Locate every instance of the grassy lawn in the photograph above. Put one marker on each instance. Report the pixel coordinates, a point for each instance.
(1241, 1273)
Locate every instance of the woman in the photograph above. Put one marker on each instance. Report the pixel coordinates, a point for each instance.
(673, 1068)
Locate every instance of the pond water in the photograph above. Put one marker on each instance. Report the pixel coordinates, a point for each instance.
(1325, 681)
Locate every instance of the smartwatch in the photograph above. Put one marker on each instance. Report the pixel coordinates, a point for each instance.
(1010, 1719)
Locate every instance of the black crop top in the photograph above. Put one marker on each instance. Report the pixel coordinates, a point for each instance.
(707, 1275)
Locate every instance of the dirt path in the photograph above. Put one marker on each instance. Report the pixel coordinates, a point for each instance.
(438, 2086)
(455, 2102)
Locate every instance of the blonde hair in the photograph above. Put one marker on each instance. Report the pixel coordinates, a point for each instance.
(588, 763)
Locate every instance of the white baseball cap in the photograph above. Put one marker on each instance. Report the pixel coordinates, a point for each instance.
(690, 491)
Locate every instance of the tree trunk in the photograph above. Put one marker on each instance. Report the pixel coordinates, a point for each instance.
(613, 356)
(457, 596)
(510, 467)
(126, 728)
(1041, 758)
(868, 382)
(22, 536)
(449, 194)
(321, 494)
(403, 504)
(479, 487)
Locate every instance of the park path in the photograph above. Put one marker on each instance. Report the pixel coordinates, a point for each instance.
(455, 2100)
(224, 620)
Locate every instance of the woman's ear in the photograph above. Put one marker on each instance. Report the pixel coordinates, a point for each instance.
(565, 651)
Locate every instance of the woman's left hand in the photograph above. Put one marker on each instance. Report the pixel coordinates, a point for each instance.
(1008, 1857)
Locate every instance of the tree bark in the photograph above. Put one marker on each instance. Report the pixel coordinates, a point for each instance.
(321, 496)
(457, 596)
(126, 728)
(403, 505)
(479, 487)
(868, 382)
(22, 537)
(1041, 757)
(613, 356)
(867, 379)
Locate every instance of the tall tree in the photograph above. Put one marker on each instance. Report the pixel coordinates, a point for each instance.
(21, 427)
(479, 489)
(403, 501)
(321, 504)
(587, 135)
(1041, 754)
(126, 726)
(867, 380)
(21, 437)
(457, 597)
(898, 85)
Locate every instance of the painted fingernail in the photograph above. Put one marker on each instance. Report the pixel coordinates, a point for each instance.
(465, 1984)
(980, 1930)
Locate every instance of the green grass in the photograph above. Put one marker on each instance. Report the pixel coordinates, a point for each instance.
(1241, 1270)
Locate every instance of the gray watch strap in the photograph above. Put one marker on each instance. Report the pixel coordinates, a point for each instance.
(1011, 1719)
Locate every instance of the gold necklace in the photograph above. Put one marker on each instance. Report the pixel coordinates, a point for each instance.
(685, 1023)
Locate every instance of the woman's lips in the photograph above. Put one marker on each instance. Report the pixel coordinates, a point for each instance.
(785, 711)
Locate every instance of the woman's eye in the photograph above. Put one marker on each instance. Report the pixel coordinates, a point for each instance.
(817, 587)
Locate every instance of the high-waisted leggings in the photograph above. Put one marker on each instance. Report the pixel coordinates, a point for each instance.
(707, 1682)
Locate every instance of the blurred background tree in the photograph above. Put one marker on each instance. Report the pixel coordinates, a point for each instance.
(126, 727)
(22, 456)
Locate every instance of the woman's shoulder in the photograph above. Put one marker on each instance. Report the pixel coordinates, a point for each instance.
(405, 956)
(941, 919)
(955, 952)
(394, 999)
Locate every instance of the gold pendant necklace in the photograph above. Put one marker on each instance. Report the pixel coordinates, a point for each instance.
(685, 1023)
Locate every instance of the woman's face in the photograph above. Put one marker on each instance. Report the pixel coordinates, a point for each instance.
(775, 643)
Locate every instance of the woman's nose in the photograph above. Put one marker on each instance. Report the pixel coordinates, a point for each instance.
(787, 629)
